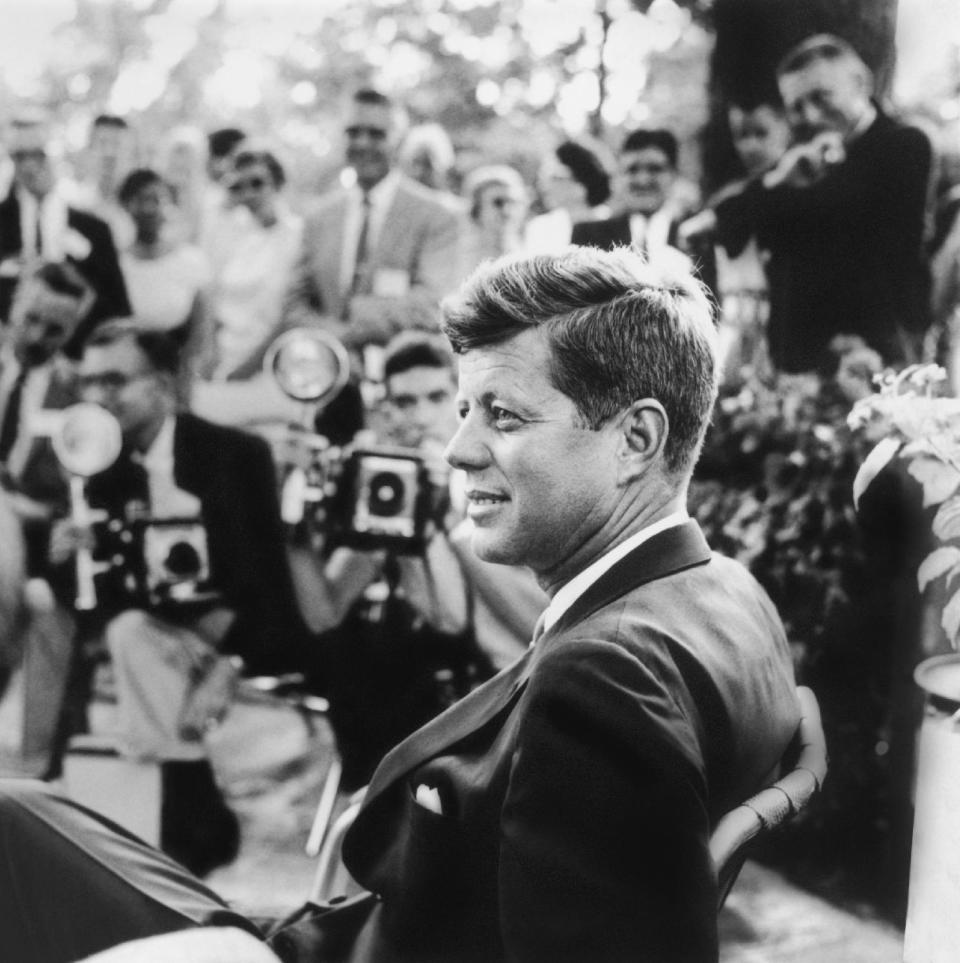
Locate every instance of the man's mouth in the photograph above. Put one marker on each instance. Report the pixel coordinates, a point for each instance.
(478, 497)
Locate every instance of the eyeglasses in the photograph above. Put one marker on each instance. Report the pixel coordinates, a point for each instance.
(253, 183)
(110, 381)
(374, 133)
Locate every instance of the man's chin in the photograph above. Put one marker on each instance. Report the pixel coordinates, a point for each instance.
(490, 549)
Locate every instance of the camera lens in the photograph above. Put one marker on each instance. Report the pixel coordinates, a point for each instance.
(386, 493)
(183, 560)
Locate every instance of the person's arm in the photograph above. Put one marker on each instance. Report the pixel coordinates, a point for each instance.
(435, 585)
(877, 191)
(604, 852)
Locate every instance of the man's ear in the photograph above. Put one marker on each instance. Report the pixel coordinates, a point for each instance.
(644, 428)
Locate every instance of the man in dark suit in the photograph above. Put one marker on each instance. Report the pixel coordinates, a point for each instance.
(218, 484)
(563, 810)
(37, 222)
(647, 171)
(842, 215)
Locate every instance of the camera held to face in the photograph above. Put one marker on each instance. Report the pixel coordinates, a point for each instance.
(382, 499)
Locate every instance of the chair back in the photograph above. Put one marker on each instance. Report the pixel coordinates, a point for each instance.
(803, 770)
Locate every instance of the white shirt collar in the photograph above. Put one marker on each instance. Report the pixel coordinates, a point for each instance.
(569, 593)
(159, 456)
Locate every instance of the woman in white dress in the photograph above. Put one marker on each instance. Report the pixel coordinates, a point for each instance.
(253, 262)
(166, 278)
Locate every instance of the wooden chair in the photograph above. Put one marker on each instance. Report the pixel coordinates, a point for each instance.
(804, 769)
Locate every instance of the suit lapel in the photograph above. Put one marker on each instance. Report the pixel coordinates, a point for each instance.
(467, 716)
(667, 552)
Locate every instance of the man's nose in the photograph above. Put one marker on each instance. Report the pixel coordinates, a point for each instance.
(465, 450)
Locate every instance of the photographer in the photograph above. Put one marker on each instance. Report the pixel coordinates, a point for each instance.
(398, 642)
(204, 573)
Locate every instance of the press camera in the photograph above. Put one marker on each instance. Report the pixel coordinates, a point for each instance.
(359, 496)
(136, 560)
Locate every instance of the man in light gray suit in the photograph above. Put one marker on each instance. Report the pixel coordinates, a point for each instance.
(377, 256)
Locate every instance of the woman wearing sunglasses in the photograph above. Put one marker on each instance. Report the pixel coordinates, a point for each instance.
(252, 265)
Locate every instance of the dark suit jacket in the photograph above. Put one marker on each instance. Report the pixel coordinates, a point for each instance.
(612, 232)
(100, 267)
(615, 232)
(580, 786)
(846, 253)
(231, 473)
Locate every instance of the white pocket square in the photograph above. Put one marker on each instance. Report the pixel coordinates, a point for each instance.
(429, 798)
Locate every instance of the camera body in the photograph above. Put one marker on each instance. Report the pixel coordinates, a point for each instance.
(156, 563)
(382, 498)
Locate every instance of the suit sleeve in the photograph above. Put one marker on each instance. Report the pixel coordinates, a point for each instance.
(881, 191)
(302, 302)
(270, 633)
(604, 832)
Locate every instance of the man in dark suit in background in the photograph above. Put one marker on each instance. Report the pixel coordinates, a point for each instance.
(562, 811)
(842, 215)
(167, 652)
(37, 222)
(647, 172)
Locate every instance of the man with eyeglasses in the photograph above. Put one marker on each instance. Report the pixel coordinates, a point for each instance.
(647, 173)
(37, 222)
(172, 682)
(377, 255)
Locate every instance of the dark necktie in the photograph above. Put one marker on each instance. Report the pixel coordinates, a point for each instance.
(38, 231)
(362, 253)
(11, 414)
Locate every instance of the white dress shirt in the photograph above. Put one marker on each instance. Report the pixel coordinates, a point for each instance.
(381, 196)
(166, 499)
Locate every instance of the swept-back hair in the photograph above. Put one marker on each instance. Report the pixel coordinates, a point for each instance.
(618, 331)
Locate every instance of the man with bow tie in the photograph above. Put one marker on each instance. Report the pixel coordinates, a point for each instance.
(562, 811)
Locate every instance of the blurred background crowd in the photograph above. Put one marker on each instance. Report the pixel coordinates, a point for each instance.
(184, 182)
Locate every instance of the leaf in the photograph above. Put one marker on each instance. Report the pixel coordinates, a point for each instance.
(946, 523)
(936, 563)
(950, 620)
(939, 480)
(872, 465)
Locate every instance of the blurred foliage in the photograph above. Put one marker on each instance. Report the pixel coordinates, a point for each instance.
(774, 488)
(506, 78)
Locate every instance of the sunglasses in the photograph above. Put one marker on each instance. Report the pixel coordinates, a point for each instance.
(374, 133)
(253, 183)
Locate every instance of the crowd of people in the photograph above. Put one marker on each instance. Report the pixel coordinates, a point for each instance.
(588, 357)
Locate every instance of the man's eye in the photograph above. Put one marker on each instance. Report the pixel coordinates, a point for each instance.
(504, 418)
